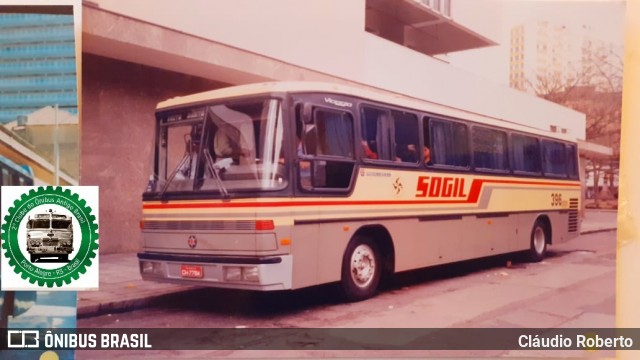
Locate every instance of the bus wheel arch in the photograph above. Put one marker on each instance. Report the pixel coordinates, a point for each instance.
(383, 239)
(368, 255)
(540, 238)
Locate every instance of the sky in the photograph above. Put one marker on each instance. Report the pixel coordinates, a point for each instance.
(604, 18)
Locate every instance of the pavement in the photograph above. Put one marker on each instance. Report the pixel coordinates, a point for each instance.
(122, 288)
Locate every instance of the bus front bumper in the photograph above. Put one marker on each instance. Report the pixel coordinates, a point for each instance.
(50, 250)
(233, 272)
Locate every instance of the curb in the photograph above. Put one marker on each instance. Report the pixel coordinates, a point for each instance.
(104, 308)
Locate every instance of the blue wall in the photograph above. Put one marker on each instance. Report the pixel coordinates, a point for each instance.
(37, 64)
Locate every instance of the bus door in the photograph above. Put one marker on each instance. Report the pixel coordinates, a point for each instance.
(325, 166)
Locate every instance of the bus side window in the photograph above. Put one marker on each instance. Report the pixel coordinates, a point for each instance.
(450, 143)
(405, 137)
(369, 131)
(489, 149)
(309, 142)
(525, 154)
(426, 148)
(376, 134)
(6, 177)
(330, 139)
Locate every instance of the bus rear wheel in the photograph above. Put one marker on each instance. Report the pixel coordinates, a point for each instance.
(539, 240)
(361, 269)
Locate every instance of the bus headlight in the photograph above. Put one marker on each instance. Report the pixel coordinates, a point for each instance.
(151, 267)
(242, 273)
(232, 273)
(251, 273)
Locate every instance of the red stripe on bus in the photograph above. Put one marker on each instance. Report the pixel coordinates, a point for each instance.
(472, 198)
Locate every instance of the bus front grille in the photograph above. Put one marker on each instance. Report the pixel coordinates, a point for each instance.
(573, 215)
(201, 225)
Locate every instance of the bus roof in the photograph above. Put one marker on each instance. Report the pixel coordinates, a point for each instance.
(361, 92)
(25, 170)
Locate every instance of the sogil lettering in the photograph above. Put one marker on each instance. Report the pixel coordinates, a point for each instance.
(440, 187)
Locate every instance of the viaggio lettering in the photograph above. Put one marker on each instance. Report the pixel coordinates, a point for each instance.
(337, 102)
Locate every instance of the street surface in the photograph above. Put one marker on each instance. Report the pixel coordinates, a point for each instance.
(573, 287)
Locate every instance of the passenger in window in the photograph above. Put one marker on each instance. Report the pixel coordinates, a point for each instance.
(427, 156)
(407, 153)
(369, 153)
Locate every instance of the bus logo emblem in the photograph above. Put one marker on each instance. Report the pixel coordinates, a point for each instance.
(397, 186)
(193, 242)
(50, 222)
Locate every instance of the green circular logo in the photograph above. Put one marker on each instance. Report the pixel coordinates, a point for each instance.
(49, 236)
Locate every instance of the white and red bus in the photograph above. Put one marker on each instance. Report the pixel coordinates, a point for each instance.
(286, 185)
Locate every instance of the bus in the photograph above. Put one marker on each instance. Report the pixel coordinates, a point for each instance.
(13, 174)
(49, 235)
(286, 185)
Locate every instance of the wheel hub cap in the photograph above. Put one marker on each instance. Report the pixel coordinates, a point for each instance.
(363, 265)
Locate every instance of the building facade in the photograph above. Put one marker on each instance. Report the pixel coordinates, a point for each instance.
(38, 91)
(547, 57)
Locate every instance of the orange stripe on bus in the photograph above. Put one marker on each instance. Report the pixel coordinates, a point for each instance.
(472, 198)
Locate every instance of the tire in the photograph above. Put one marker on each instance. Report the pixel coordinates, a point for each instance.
(361, 269)
(539, 240)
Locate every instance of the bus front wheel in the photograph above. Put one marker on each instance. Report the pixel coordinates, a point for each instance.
(361, 269)
(538, 247)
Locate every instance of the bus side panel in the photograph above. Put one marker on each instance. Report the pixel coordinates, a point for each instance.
(429, 242)
(558, 220)
(333, 240)
(414, 246)
(559, 227)
(306, 239)
(487, 235)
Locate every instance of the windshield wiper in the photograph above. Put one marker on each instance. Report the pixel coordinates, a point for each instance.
(214, 167)
(187, 157)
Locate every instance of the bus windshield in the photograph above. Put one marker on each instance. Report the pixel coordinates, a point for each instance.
(222, 148)
(38, 224)
(60, 224)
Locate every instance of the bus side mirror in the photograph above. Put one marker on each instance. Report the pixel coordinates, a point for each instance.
(307, 113)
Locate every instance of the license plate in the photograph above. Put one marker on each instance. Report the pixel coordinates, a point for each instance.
(191, 271)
